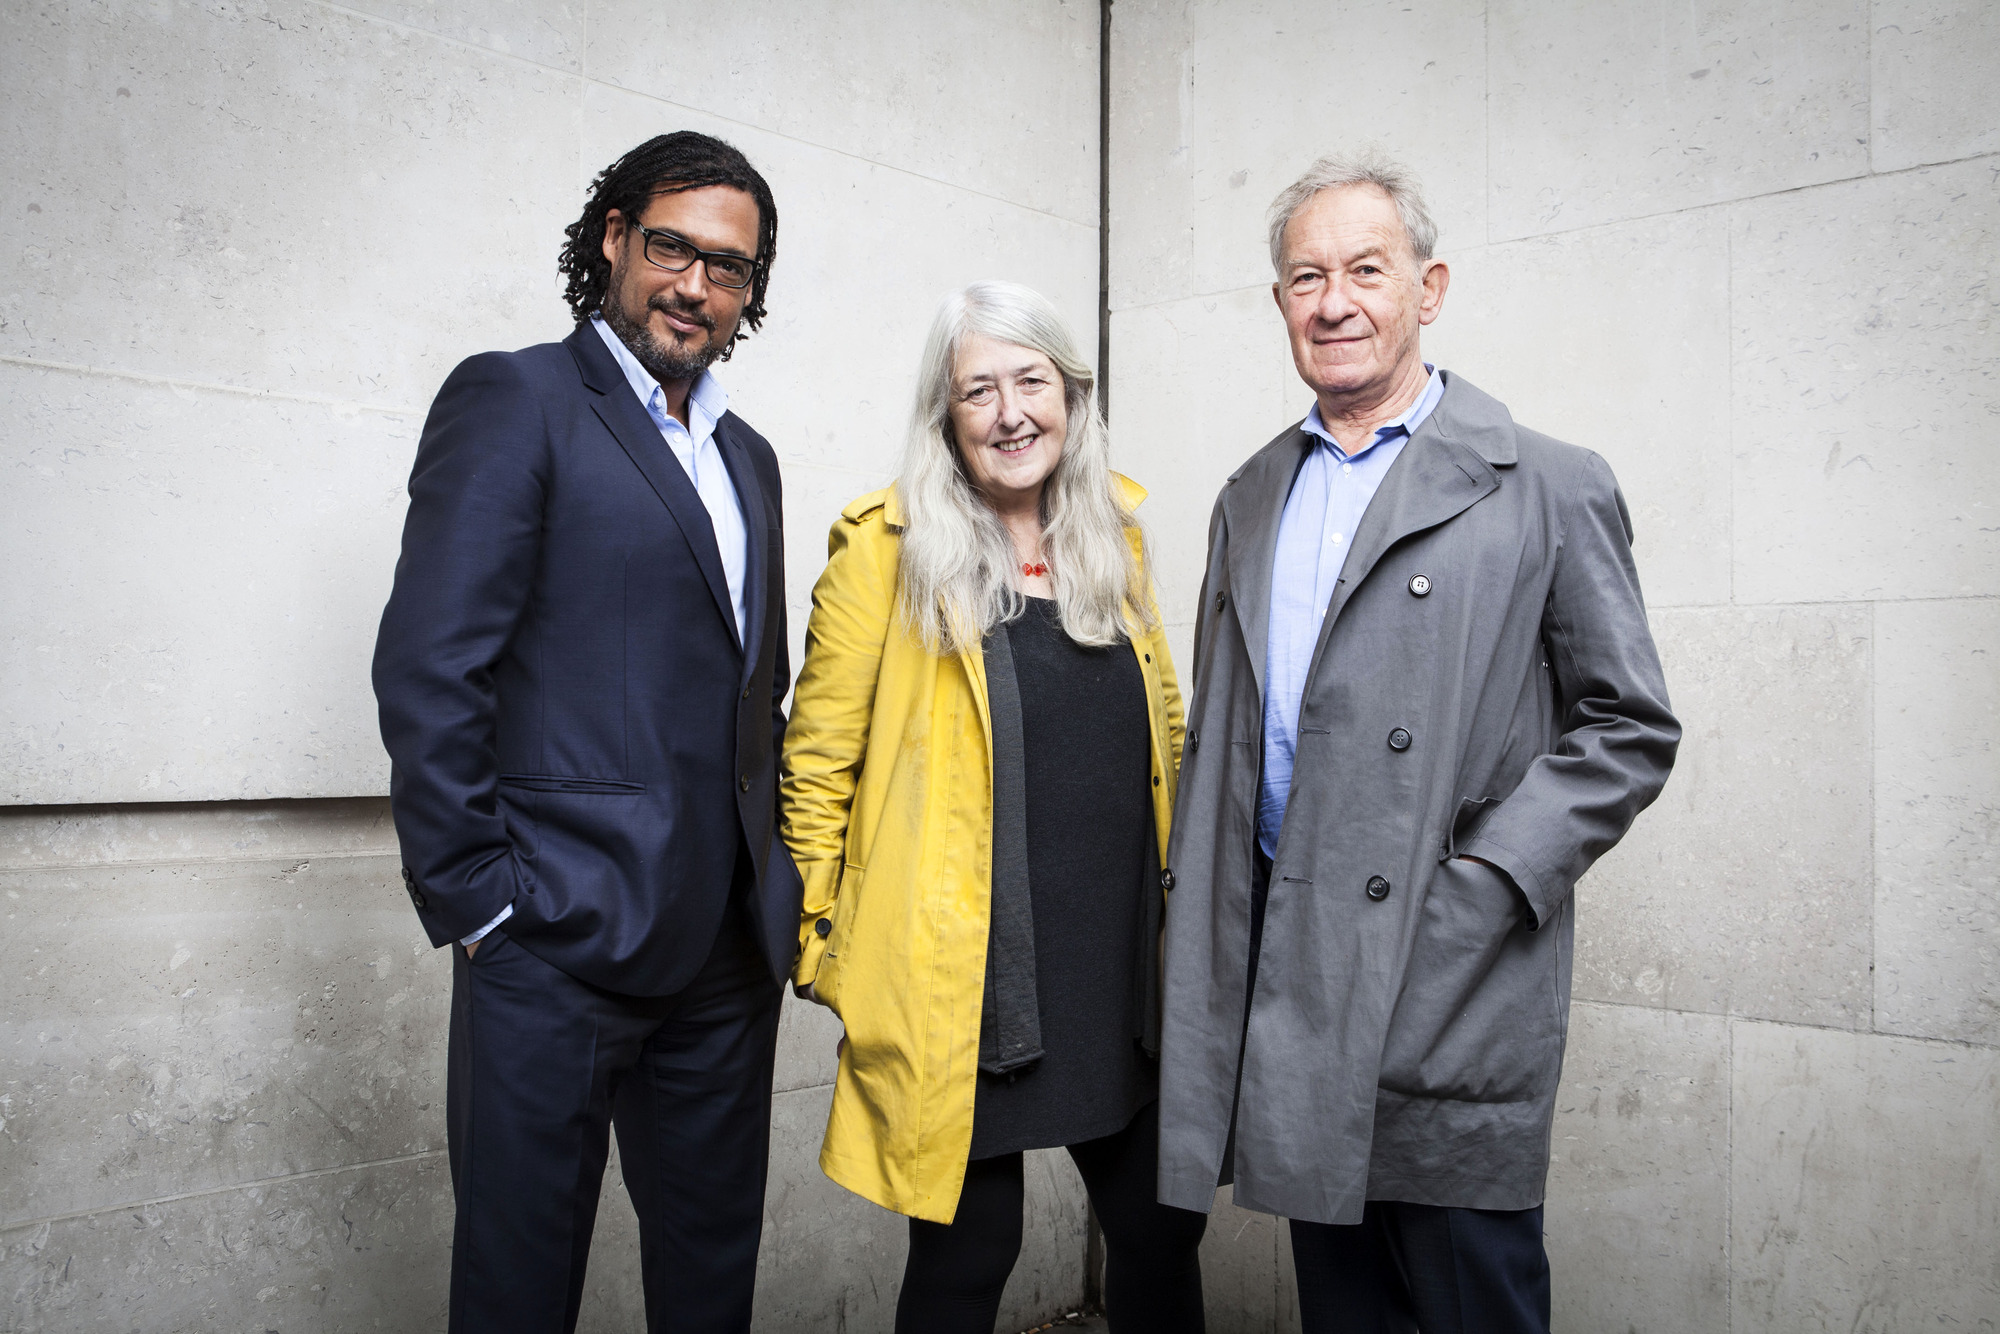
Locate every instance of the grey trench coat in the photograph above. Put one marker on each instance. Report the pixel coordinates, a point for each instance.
(1407, 1028)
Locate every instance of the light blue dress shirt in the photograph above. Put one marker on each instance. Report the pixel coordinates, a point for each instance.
(702, 458)
(1329, 495)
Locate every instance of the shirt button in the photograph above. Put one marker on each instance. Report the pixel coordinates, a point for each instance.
(1347, 467)
(1334, 539)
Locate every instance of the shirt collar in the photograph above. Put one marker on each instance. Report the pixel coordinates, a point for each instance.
(1405, 425)
(708, 399)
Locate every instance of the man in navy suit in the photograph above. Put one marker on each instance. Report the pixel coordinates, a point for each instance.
(580, 674)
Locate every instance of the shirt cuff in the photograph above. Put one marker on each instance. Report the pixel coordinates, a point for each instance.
(481, 933)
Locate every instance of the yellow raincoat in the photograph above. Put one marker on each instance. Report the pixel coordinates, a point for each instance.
(887, 806)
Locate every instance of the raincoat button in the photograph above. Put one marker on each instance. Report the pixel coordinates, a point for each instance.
(1420, 584)
(1378, 888)
(823, 927)
(1166, 879)
(1399, 739)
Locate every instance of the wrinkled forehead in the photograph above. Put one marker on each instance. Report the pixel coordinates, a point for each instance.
(980, 357)
(1344, 224)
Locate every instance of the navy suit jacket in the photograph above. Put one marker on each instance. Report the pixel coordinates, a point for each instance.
(572, 725)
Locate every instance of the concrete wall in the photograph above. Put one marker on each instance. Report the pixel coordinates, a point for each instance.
(240, 247)
(1746, 252)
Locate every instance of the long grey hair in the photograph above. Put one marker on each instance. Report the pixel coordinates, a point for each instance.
(957, 572)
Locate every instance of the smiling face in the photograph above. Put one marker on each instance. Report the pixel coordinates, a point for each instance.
(1009, 418)
(1354, 298)
(678, 323)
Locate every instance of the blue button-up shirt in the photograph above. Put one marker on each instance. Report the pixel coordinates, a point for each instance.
(1329, 495)
(694, 445)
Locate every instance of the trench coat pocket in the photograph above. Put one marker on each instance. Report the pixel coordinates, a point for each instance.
(1472, 813)
(826, 982)
(1479, 1018)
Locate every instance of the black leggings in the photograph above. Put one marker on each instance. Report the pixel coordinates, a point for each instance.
(1152, 1272)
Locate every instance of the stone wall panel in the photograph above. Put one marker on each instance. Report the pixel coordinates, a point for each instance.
(1638, 1204)
(1629, 356)
(192, 207)
(1747, 888)
(1607, 112)
(1867, 330)
(1863, 1182)
(140, 665)
(244, 1021)
(968, 84)
(1937, 819)
(1209, 147)
(1932, 91)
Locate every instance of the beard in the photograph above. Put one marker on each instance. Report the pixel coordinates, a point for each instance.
(663, 359)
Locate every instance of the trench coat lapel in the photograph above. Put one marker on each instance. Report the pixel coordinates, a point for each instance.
(1252, 507)
(1447, 466)
(621, 412)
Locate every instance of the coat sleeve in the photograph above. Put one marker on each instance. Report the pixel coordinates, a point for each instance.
(1618, 738)
(470, 545)
(853, 603)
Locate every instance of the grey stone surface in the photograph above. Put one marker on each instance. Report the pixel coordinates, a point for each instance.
(1747, 888)
(342, 235)
(36, 837)
(1630, 357)
(546, 32)
(1932, 93)
(1606, 112)
(364, 1248)
(1937, 819)
(972, 83)
(1866, 339)
(170, 1029)
(1239, 1269)
(1863, 1182)
(1177, 436)
(142, 666)
(1637, 1217)
(1222, 103)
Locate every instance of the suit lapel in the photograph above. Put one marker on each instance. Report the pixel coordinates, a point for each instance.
(620, 411)
(1437, 477)
(1252, 508)
(756, 534)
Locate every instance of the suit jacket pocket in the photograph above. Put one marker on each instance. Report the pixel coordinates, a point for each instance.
(559, 783)
(1479, 1016)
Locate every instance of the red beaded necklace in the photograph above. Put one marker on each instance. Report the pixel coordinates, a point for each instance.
(1036, 569)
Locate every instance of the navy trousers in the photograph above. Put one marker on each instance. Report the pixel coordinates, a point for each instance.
(542, 1067)
(1424, 1269)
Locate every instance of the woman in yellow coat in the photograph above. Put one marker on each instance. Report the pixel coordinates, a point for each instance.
(978, 778)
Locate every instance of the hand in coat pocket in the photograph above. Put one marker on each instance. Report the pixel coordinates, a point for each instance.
(1479, 1016)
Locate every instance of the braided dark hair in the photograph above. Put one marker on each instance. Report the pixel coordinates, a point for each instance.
(663, 165)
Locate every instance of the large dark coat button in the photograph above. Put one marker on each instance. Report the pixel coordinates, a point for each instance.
(1193, 739)
(1399, 739)
(1166, 879)
(410, 884)
(823, 927)
(1420, 584)
(1378, 888)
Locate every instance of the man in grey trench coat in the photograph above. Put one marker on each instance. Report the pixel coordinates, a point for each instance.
(1425, 699)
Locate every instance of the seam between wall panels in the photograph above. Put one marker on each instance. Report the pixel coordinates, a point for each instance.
(209, 386)
(230, 1189)
(585, 79)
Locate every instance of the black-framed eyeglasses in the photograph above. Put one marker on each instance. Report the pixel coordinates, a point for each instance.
(675, 253)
